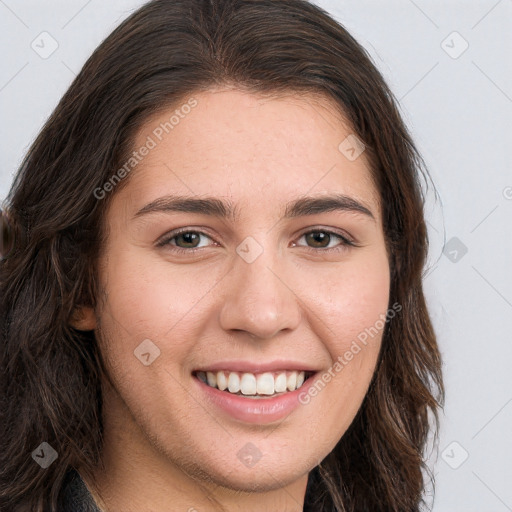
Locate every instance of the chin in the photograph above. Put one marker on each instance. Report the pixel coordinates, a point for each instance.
(262, 477)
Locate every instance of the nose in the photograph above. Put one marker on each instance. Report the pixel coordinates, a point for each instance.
(259, 300)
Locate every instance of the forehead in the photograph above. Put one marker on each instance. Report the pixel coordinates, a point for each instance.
(246, 147)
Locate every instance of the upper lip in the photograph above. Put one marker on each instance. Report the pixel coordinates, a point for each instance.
(255, 367)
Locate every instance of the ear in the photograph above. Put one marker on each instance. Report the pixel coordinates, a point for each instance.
(83, 319)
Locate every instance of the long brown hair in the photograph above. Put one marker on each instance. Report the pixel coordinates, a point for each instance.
(167, 50)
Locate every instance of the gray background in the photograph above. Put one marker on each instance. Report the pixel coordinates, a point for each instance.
(457, 102)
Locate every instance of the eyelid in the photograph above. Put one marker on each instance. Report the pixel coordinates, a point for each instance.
(346, 239)
(165, 239)
(333, 231)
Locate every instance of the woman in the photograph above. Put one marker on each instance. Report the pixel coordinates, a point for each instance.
(211, 281)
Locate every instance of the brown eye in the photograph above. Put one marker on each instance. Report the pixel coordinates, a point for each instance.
(318, 239)
(186, 240)
(190, 239)
(321, 239)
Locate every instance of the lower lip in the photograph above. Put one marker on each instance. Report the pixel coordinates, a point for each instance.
(255, 410)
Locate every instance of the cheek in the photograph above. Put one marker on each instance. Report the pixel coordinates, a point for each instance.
(148, 311)
(352, 307)
(147, 299)
(351, 298)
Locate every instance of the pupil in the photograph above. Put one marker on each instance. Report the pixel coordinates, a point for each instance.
(188, 237)
(318, 236)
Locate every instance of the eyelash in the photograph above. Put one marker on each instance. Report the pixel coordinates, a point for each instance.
(165, 242)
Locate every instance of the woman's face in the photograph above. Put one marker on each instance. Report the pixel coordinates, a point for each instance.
(225, 255)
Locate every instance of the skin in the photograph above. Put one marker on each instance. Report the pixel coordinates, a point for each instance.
(164, 443)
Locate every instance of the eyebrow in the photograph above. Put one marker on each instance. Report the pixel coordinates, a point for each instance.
(215, 207)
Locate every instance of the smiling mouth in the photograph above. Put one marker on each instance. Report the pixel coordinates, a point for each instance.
(255, 385)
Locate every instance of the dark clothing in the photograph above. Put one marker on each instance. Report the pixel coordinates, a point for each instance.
(74, 496)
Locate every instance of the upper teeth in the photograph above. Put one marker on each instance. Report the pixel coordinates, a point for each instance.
(254, 384)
